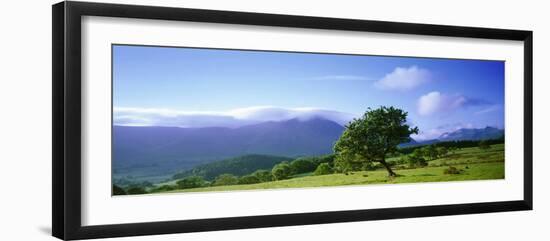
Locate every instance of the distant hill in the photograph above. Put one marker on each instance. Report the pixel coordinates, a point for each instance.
(237, 166)
(463, 134)
(165, 149)
(472, 134)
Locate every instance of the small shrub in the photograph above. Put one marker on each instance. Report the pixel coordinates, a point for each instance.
(165, 188)
(225, 180)
(417, 161)
(452, 170)
(248, 179)
(263, 175)
(299, 166)
(191, 182)
(323, 169)
(281, 171)
(442, 151)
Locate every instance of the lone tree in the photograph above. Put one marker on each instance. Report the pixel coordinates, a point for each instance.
(374, 135)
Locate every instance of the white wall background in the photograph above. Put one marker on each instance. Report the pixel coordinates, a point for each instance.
(25, 120)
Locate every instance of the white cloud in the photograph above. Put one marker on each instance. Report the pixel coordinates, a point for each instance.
(436, 102)
(404, 78)
(231, 118)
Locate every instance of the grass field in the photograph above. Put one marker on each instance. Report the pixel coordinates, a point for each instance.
(474, 163)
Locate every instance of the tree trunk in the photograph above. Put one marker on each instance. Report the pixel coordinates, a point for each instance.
(390, 171)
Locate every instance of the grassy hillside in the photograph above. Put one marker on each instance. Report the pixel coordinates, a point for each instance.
(472, 163)
(481, 171)
(470, 155)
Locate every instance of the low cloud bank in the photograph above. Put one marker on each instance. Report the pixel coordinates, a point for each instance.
(231, 118)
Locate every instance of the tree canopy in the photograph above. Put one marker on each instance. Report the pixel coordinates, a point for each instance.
(371, 137)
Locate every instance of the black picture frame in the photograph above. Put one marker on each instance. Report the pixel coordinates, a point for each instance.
(66, 75)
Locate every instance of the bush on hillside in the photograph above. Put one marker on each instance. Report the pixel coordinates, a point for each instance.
(281, 171)
(226, 179)
(323, 169)
(299, 166)
(452, 170)
(248, 179)
(191, 182)
(263, 175)
(415, 161)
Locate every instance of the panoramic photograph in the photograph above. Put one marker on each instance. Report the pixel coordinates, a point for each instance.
(211, 120)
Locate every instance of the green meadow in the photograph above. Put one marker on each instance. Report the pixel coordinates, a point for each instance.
(472, 163)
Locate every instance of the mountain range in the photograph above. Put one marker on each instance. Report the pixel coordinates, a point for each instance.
(472, 134)
(136, 147)
(462, 134)
(150, 150)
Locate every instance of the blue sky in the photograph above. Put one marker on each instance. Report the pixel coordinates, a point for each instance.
(205, 87)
